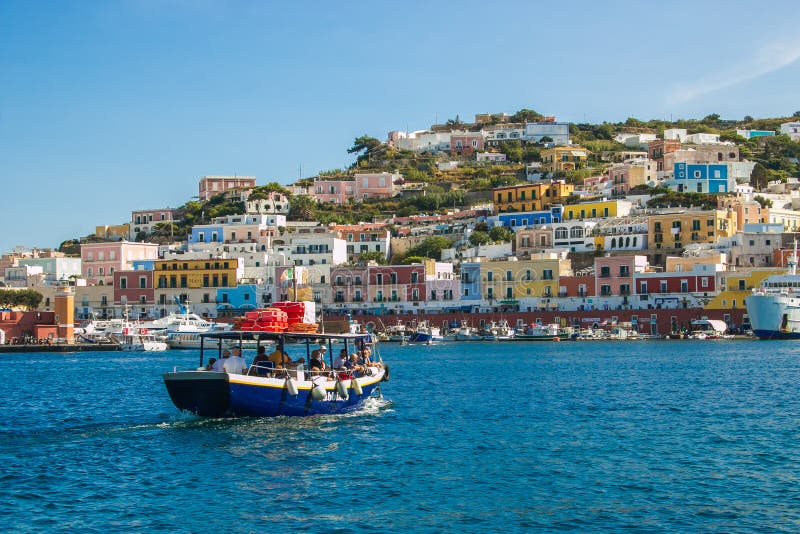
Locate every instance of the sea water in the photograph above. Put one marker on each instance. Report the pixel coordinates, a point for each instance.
(483, 436)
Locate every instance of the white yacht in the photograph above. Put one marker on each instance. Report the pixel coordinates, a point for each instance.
(774, 307)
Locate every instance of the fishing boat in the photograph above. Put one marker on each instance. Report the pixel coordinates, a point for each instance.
(290, 391)
(538, 332)
(425, 332)
(466, 332)
(498, 331)
(774, 307)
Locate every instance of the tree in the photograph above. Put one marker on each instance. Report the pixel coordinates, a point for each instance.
(758, 178)
(478, 237)
(302, 208)
(765, 202)
(430, 248)
(374, 255)
(527, 115)
(363, 143)
(512, 149)
(501, 234)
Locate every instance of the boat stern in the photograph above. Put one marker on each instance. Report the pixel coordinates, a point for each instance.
(202, 393)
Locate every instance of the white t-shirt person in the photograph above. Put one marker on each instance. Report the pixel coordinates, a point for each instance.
(234, 365)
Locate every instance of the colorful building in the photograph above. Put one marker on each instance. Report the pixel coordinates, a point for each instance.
(531, 197)
(561, 159)
(680, 228)
(597, 209)
(214, 185)
(701, 178)
(99, 261)
(508, 280)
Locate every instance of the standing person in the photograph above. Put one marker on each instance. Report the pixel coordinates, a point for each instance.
(235, 364)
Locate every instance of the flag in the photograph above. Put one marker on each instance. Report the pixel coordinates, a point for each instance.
(288, 274)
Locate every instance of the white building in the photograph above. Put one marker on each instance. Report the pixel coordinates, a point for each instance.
(702, 139)
(792, 129)
(673, 134)
(557, 131)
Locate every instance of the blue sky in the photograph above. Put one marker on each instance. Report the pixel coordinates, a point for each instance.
(107, 107)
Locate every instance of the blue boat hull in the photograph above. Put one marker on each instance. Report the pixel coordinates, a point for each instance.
(776, 334)
(210, 394)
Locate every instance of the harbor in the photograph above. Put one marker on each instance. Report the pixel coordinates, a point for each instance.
(540, 434)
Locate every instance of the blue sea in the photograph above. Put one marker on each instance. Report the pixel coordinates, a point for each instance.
(589, 436)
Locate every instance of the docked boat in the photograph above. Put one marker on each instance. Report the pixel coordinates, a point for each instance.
(140, 341)
(774, 307)
(538, 332)
(425, 333)
(292, 391)
(465, 332)
(498, 331)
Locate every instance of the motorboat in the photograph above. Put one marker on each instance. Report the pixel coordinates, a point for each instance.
(140, 341)
(266, 391)
(498, 331)
(465, 332)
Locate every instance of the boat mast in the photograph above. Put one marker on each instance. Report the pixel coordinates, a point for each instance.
(793, 260)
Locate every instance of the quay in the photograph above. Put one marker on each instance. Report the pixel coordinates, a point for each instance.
(60, 347)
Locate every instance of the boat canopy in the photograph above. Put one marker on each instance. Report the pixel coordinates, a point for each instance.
(294, 336)
(710, 324)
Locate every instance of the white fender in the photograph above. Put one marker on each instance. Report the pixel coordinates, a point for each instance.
(356, 387)
(318, 393)
(341, 389)
(291, 386)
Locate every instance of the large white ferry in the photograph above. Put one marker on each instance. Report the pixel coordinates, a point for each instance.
(774, 307)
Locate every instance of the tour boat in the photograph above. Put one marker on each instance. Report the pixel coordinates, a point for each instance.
(774, 308)
(268, 392)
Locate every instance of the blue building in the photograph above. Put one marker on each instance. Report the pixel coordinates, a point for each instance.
(701, 178)
(471, 283)
(143, 265)
(237, 300)
(528, 218)
(206, 233)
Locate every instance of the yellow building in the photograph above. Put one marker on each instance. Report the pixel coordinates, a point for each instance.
(531, 197)
(119, 231)
(735, 286)
(511, 279)
(600, 208)
(196, 274)
(677, 264)
(564, 158)
(680, 228)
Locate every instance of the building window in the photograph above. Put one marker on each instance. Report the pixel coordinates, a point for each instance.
(123, 282)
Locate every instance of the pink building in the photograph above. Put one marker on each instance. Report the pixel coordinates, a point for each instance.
(335, 191)
(614, 274)
(214, 185)
(376, 185)
(134, 289)
(99, 261)
(465, 143)
(144, 221)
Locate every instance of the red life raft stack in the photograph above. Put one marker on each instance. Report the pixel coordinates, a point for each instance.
(263, 320)
(297, 314)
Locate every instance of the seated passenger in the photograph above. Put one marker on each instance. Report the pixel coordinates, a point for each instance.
(211, 362)
(340, 360)
(261, 363)
(316, 363)
(235, 364)
(218, 366)
(353, 364)
(280, 358)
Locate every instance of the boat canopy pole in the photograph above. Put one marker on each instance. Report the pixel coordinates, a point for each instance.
(202, 343)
